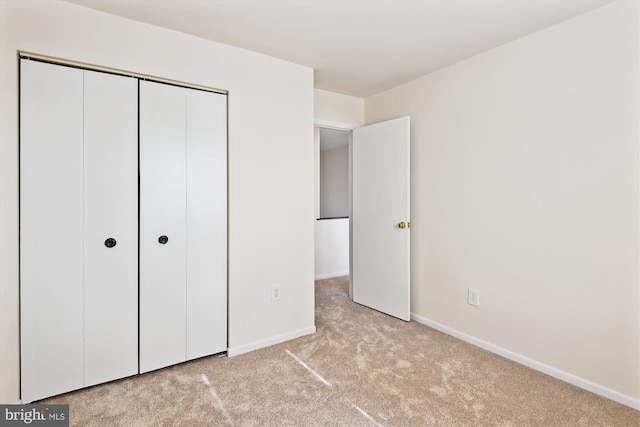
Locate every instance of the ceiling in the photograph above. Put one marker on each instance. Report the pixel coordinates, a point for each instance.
(356, 47)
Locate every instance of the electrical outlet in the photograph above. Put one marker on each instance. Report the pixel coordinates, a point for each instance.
(275, 292)
(473, 297)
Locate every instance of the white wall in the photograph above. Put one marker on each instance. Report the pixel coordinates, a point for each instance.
(337, 110)
(525, 186)
(271, 217)
(332, 248)
(334, 182)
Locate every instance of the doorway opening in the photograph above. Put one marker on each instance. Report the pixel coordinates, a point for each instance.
(332, 202)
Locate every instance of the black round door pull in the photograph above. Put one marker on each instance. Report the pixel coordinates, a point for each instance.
(110, 242)
(163, 239)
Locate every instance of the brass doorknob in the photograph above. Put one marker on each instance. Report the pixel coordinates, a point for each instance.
(402, 225)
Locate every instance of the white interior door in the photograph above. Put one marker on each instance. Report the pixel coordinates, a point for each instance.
(380, 217)
(206, 223)
(163, 207)
(79, 218)
(51, 232)
(110, 212)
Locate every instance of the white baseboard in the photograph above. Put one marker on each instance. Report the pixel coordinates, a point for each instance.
(331, 275)
(533, 364)
(256, 345)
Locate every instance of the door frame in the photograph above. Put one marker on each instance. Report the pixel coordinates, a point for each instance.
(26, 55)
(347, 127)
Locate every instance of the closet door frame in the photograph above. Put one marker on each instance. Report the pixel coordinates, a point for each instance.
(72, 356)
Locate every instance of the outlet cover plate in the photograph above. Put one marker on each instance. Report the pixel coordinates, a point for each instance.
(473, 297)
(275, 292)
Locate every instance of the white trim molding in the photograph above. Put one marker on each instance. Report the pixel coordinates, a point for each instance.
(257, 345)
(533, 364)
(331, 275)
(328, 124)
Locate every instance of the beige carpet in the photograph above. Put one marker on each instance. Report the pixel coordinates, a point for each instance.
(361, 368)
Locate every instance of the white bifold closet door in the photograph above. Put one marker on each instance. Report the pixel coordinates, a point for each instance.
(183, 224)
(78, 188)
(110, 212)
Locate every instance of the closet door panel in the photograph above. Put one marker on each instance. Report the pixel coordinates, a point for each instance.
(110, 211)
(51, 234)
(206, 223)
(162, 213)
